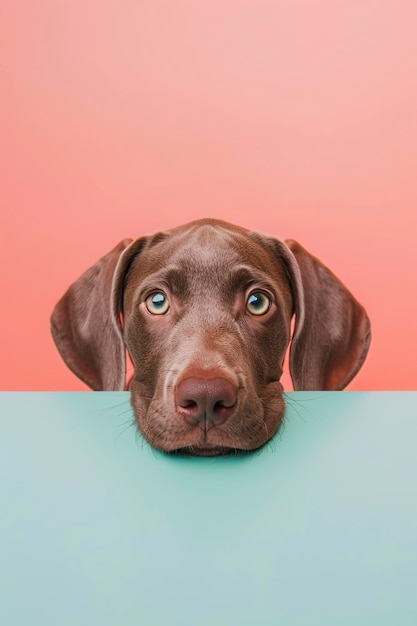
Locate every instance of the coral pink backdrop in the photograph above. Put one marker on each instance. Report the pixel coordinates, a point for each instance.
(294, 117)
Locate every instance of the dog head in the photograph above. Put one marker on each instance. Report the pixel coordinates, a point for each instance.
(205, 313)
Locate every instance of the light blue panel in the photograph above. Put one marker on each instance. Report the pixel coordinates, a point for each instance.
(319, 528)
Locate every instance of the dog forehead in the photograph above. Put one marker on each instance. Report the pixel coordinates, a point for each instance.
(204, 246)
(212, 248)
(204, 258)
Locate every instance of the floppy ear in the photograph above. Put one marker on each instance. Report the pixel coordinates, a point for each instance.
(85, 324)
(332, 330)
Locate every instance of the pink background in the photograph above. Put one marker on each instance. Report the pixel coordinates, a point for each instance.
(294, 117)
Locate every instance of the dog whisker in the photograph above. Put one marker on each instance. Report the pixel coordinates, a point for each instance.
(293, 403)
(122, 432)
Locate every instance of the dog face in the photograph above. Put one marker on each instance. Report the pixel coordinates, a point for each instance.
(207, 304)
(205, 313)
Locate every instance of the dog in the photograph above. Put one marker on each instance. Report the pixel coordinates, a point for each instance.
(205, 312)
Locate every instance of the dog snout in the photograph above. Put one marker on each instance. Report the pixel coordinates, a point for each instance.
(206, 402)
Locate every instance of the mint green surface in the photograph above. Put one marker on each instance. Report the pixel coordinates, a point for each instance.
(319, 528)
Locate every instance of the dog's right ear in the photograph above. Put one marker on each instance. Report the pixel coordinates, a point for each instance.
(85, 323)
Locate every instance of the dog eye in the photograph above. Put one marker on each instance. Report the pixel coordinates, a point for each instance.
(258, 303)
(157, 303)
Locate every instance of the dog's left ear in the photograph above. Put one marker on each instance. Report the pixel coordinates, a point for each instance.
(85, 323)
(332, 330)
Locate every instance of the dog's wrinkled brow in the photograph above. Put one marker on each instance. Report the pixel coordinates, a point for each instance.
(173, 278)
(242, 276)
(176, 279)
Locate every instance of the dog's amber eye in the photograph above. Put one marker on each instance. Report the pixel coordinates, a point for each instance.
(157, 303)
(258, 303)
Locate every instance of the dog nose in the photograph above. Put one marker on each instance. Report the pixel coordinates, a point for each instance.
(205, 400)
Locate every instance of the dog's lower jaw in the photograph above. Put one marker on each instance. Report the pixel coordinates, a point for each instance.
(206, 452)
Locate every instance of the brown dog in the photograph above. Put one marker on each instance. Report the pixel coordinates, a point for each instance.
(205, 312)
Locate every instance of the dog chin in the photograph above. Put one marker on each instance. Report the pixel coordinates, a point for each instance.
(209, 451)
